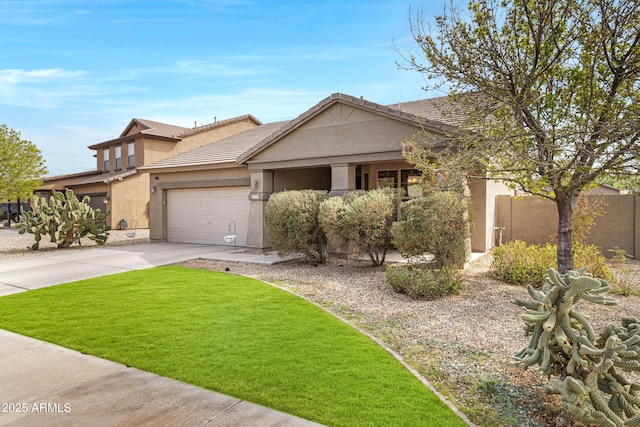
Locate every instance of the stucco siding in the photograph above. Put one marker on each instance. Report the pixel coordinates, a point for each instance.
(124, 206)
(336, 133)
(155, 150)
(301, 179)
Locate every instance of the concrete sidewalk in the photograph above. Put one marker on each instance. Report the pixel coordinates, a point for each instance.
(42, 384)
(46, 385)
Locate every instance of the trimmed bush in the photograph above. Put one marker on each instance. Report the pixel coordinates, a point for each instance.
(291, 223)
(424, 283)
(360, 223)
(329, 216)
(437, 225)
(521, 264)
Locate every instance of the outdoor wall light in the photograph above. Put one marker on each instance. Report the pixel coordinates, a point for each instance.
(255, 183)
(106, 199)
(153, 189)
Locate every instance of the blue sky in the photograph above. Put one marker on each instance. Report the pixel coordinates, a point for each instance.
(75, 72)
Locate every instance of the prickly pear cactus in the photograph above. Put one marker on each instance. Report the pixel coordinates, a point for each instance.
(65, 219)
(563, 344)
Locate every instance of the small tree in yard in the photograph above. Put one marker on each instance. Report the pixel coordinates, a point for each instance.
(291, 222)
(547, 92)
(360, 222)
(433, 235)
(65, 219)
(21, 166)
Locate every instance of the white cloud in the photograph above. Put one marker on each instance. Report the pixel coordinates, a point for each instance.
(15, 76)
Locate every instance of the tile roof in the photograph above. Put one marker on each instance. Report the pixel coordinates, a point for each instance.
(216, 123)
(226, 150)
(70, 175)
(106, 177)
(156, 128)
(167, 131)
(440, 109)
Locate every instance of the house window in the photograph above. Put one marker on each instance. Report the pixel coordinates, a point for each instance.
(118, 157)
(387, 179)
(105, 160)
(410, 181)
(131, 155)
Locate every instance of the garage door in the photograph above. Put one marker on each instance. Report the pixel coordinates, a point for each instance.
(205, 215)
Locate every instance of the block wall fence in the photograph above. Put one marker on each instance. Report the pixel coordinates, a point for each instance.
(535, 220)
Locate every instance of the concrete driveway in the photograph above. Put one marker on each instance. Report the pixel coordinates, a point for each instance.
(53, 268)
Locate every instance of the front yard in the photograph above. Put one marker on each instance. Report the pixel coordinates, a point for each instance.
(234, 335)
(464, 345)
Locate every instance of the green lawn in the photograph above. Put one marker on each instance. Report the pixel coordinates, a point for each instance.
(234, 335)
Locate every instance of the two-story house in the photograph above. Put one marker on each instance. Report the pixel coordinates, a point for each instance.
(117, 185)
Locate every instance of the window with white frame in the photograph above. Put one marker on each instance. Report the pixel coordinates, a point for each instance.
(118, 158)
(131, 155)
(105, 160)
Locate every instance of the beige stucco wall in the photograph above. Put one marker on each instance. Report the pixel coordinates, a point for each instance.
(154, 150)
(483, 194)
(300, 179)
(340, 131)
(129, 200)
(231, 176)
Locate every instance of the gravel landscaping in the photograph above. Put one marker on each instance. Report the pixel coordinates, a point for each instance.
(464, 344)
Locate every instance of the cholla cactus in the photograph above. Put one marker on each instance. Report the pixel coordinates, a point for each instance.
(564, 344)
(64, 219)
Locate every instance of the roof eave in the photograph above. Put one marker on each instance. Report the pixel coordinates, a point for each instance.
(132, 137)
(189, 167)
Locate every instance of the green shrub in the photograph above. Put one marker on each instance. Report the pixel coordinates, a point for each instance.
(425, 283)
(437, 225)
(591, 256)
(291, 223)
(521, 264)
(329, 215)
(625, 278)
(360, 223)
(65, 219)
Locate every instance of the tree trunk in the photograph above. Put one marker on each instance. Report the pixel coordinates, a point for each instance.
(565, 203)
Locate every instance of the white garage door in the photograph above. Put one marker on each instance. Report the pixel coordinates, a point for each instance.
(205, 215)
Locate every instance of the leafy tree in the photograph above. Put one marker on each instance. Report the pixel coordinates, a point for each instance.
(21, 166)
(547, 93)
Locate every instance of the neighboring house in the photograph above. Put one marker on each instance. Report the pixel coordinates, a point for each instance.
(117, 185)
(342, 143)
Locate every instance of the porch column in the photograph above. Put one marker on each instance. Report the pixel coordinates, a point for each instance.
(261, 188)
(343, 178)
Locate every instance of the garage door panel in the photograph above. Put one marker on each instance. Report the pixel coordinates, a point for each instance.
(204, 215)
